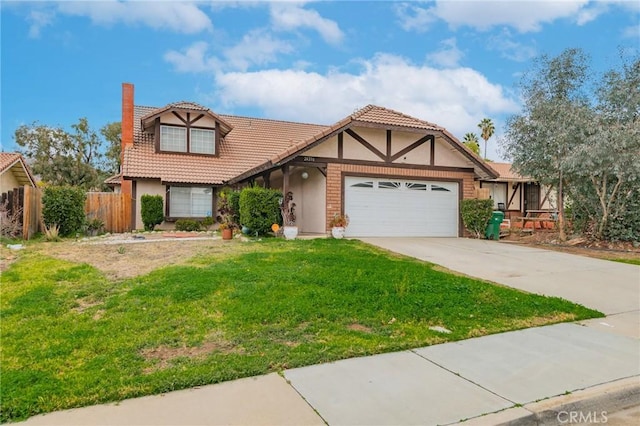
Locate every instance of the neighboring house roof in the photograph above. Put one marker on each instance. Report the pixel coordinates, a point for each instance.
(256, 144)
(506, 173)
(113, 180)
(251, 141)
(18, 166)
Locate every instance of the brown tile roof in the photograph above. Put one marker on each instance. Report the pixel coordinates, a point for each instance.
(256, 144)
(507, 173)
(23, 173)
(252, 142)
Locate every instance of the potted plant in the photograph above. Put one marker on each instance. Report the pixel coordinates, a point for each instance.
(288, 209)
(338, 225)
(226, 216)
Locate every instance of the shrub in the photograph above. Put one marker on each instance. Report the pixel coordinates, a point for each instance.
(10, 225)
(259, 208)
(152, 211)
(207, 222)
(187, 225)
(475, 215)
(229, 209)
(64, 206)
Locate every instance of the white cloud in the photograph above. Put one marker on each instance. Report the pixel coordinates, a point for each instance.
(291, 16)
(503, 42)
(183, 17)
(632, 31)
(525, 16)
(38, 19)
(455, 98)
(257, 47)
(192, 59)
(414, 18)
(448, 55)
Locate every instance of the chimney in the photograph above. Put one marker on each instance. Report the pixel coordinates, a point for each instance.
(127, 116)
(127, 132)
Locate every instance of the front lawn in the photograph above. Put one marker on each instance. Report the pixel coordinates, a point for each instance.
(71, 337)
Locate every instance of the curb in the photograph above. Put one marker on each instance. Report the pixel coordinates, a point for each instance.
(592, 405)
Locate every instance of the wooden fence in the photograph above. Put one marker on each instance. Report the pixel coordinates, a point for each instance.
(113, 209)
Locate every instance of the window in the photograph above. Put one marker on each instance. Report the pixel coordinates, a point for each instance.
(173, 138)
(414, 186)
(439, 188)
(363, 185)
(389, 185)
(203, 141)
(190, 201)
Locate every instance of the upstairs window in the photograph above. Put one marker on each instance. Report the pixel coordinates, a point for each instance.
(203, 141)
(188, 140)
(173, 138)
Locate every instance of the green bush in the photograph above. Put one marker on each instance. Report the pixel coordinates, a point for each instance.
(187, 225)
(259, 208)
(152, 211)
(234, 204)
(229, 207)
(64, 206)
(475, 215)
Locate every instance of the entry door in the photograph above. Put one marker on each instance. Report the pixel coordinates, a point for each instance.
(531, 196)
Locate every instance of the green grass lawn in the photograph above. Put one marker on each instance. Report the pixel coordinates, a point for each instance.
(70, 337)
(629, 261)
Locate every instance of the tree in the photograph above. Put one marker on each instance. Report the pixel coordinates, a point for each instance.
(112, 133)
(540, 139)
(63, 158)
(487, 129)
(471, 141)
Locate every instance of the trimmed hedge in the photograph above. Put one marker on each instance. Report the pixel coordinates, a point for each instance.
(187, 225)
(152, 211)
(475, 215)
(259, 208)
(64, 206)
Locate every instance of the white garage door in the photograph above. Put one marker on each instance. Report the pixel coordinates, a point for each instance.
(383, 207)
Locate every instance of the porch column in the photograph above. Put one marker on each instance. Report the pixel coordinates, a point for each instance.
(285, 180)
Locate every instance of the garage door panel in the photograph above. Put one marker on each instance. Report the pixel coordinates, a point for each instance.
(393, 207)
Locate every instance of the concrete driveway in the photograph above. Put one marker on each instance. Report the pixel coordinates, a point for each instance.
(613, 288)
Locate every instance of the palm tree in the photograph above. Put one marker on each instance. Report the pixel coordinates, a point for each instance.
(471, 141)
(487, 128)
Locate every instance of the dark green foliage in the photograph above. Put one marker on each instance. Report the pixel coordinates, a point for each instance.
(260, 208)
(207, 222)
(187, 225)
(229, 207)
(152, 211)
(64, 206)
(234, 204)
(475, 215)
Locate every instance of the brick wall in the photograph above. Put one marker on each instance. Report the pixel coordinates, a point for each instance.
(334, 181)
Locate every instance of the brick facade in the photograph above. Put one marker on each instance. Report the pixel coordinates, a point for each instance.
(335, 172)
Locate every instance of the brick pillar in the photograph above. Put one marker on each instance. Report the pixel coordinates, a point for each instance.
(334, 192)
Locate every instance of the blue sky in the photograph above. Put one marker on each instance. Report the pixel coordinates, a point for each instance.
(448, 62)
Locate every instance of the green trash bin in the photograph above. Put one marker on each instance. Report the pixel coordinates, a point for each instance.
(493, 226)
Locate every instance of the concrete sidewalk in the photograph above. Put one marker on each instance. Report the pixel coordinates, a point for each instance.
(506, 374)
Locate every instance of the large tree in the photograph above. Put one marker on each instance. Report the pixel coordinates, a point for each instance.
(471, 141)
(64, 158)
(112, 132)
(552, 122)
(486, 131)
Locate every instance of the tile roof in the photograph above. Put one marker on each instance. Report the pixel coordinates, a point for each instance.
(186, 106)
(252, 142)
(256, 144)
(23, 173)
(507, 173)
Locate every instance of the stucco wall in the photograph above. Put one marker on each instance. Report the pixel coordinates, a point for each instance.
(446, 155)
(149, 187)
(8, 181)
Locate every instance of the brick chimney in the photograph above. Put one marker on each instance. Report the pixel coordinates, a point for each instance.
(127, 130)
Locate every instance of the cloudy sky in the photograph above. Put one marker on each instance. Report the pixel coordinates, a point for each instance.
(448, 62)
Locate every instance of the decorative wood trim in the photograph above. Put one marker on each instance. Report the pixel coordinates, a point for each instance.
(365, 143)
(513, 194)
(389, 145)
(198, 118)
(410, 147)
(323, 170)
(340, 145)
(320, 160)
(186, 122)
(432, 153)
(285, 180)
(216, 139)
(546, 195)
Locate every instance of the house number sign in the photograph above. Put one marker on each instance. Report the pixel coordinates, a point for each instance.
(309, 159)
